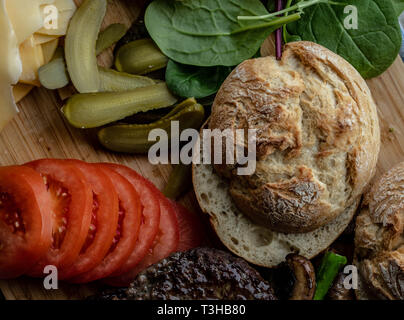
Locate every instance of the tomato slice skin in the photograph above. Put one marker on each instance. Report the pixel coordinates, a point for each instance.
(72, 220)
(165, 243)
(192, 228)
(104, 221)
(149, 198)
(118, 252)
(27, 238)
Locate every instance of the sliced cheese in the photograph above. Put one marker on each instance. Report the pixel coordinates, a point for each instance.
(10, 67)
(20, 90)
(43, 38)
(32, 59)
(49, 49)
(26, 17)
(65, 5)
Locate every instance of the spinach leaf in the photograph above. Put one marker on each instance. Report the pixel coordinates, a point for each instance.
(399, 5)
(191, 81)
(371, 49)
(207, 32)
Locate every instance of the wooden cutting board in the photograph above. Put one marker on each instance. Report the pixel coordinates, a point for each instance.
(40, 131)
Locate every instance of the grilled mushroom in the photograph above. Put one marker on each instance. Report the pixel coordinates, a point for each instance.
(303, 270)
(294, 279)
(338, 290)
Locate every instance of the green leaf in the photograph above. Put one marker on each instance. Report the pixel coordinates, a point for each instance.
(207, 32)
(191, 81)
(371, 49)
(399, 5)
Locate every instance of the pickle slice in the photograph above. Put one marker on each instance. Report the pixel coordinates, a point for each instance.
(112, 34)
(80, 45)
(91, 110)
(135, 138)
(53, 75)
(160, 114)
(140, 57)
(179, 181)
(111, 80)
(182, 105)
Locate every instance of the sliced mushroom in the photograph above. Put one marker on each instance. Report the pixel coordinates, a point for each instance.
(305, 277)
(338, 290)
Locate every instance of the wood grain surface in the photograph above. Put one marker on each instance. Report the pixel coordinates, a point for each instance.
(40, 131)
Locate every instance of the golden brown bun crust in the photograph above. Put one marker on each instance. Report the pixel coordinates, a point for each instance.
(318, 136)
(379, 236)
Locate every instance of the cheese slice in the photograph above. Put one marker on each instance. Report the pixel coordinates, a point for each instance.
(43, 38)
(49, 49)
(65, 5)
(26, 17)
(10, 67)
(32, 59)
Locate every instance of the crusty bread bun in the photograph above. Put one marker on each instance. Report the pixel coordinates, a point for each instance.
(253, 241)
(379, 238)
(318, 136)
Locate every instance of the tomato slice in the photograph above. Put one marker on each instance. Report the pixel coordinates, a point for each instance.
(72, 202)
(104, 221)
(149, 198)
(25, 222)
(165, 243)
(191, 227)
(126, 233)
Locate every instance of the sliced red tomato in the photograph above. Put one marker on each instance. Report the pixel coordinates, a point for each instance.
(165, 243)
(192, 228)
(72, 203)
(25, 221)
(149, 198)
(126, 233)
(104, 221)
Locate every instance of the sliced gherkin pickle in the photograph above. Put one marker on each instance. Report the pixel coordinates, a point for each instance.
(182, 105)
(80, 45)
(160, 114)
(112, 34)
(140, 57)
(179, 182)
(53, 75)
(112, 80)
(91, 110)
(135, 138)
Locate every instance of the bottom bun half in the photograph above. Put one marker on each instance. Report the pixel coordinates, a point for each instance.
(256, 243)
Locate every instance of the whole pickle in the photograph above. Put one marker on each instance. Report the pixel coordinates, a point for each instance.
(140, 57)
